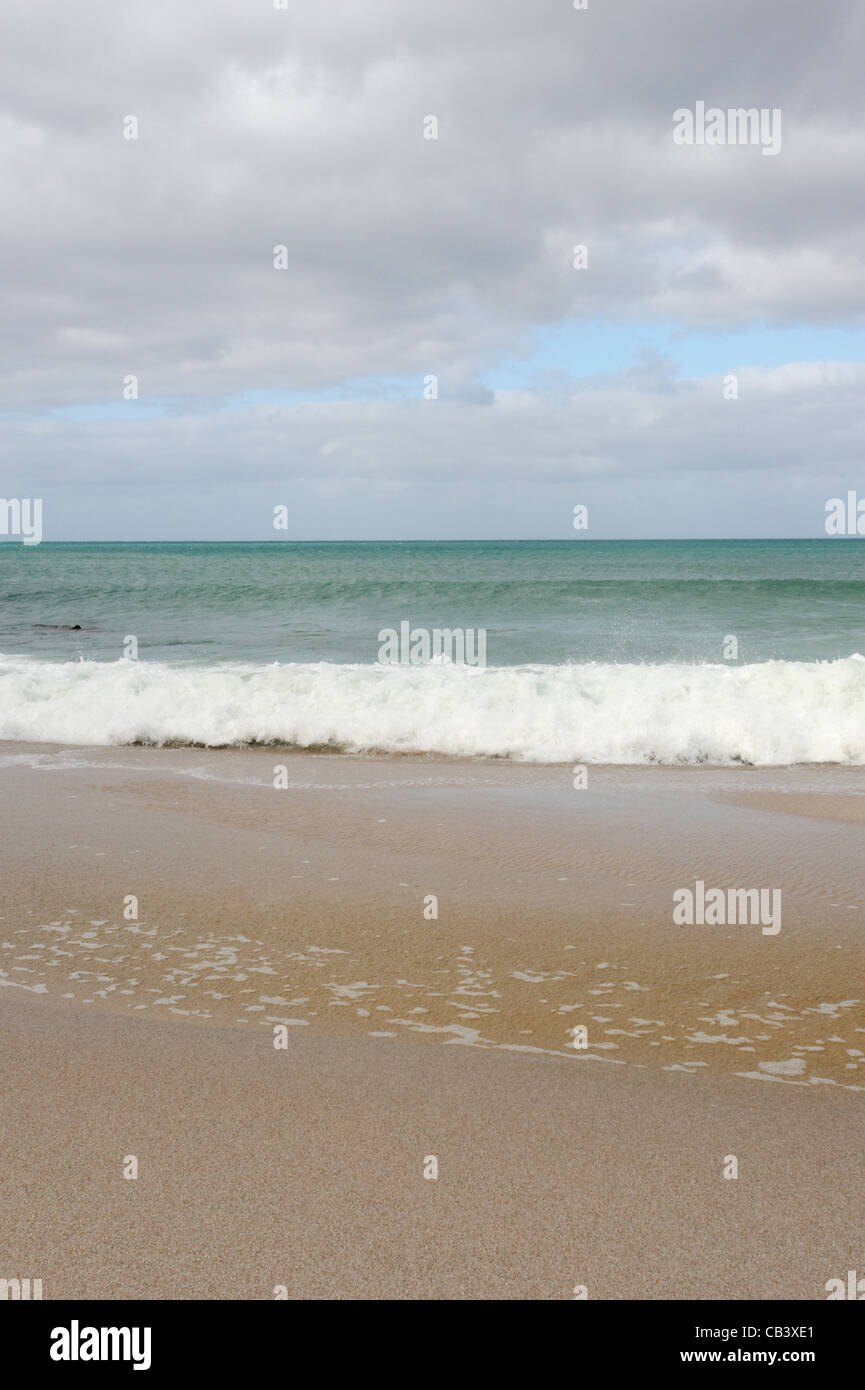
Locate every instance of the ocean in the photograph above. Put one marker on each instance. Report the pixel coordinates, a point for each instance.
(626, 652)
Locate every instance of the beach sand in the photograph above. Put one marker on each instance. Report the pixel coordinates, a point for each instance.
(410, 1035)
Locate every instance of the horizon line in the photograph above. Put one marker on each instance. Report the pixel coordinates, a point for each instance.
(436, 540)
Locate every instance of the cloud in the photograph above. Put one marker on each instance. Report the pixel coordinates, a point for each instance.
(304, 128)
(646, 450)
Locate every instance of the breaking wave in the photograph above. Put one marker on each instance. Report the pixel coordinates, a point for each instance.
(769, 713)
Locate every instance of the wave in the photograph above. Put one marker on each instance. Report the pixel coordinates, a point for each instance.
(766, 714)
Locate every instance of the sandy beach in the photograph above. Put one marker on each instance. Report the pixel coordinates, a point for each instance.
(410, 1035)
(304, 1169)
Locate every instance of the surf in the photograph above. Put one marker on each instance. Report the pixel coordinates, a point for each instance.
(771, 713)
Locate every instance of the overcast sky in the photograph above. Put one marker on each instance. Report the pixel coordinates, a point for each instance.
(410, 257)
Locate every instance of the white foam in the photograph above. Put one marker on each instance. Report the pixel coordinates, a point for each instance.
(772, 713)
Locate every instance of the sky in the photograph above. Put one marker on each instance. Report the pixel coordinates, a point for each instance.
(607, 383)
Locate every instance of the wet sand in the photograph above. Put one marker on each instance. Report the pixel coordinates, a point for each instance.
(309, 905)
(408, 1034)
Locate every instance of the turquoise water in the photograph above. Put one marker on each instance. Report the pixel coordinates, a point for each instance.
(545, 602)
(608, 651)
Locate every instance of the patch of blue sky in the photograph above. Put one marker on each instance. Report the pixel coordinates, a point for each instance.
(363, 389)
(597, 348)
(108, 410)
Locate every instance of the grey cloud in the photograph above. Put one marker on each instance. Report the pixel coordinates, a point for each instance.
(304, 128)
(634, 445)
(407, 256)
